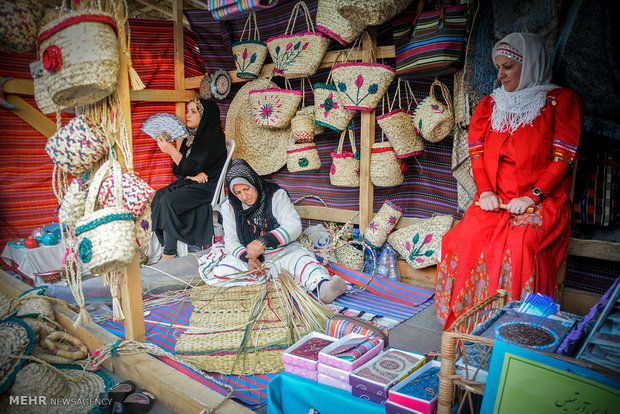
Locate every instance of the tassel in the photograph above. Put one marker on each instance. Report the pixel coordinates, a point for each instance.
(136, 82)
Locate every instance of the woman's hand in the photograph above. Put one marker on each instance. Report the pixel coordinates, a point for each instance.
(170, 149)
(255, 248)
(254, 264)
(489, 201)
(199, 178)
(519, 205)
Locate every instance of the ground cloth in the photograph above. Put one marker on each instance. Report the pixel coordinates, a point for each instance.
(166, 322)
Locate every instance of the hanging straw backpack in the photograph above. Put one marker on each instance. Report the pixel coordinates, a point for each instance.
(397, 127)
(433, 120)
(299, 54)
(249, 54)
(345, 169)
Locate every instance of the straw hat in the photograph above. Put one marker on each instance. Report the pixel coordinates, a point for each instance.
(263, 148)
(74, 384)
(16, 339)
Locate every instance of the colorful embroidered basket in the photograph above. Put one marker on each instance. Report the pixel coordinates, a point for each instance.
(80, 52)
(331, 23)
(303, 126)
(249, 54)
(299, 54)
(433, 120)
(19, 24)
(77, 146)
(345, 169)
(328, 108)
(419, 242)
(385, 169)
(302, 157)
(383, 223)
(137, 194)
(361, 85)
(274, 107)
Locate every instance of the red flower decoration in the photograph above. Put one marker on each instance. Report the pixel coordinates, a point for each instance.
(359, 81)
(51, 58)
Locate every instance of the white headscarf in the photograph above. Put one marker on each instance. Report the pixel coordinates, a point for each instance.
(522, 106)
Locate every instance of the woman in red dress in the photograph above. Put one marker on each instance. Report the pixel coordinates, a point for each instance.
(522, 143)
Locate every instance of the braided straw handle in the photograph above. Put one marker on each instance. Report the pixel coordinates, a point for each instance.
(351, 141)
(293, 18)
(446, 95)
(95, 185)
(248, 26)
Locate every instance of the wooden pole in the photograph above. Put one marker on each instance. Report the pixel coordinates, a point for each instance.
(179, 55)
(131, 286)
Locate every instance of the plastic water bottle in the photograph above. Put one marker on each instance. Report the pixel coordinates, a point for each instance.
(387, 265)
(357, 238)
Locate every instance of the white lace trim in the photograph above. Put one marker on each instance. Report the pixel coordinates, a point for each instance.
(513, 109)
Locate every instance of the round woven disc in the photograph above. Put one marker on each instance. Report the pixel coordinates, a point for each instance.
(526, 334)
(220, 84)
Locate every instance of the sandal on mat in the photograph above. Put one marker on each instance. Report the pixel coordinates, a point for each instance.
(121, 390)
(137, 402)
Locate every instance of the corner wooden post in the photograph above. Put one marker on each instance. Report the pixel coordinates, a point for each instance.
(179, 55)
(131, 285)
(367, 138)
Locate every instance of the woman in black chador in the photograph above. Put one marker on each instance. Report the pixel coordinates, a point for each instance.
(182, 210)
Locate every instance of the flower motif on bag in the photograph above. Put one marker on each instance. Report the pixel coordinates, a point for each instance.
(243, 66)
(418, 128)
(329, 104)
(52, 58)
(416, 253)
(392, 220)
(332, 169)
(435, 108)
(85, 250)
(145, 224)
(268, 108)
(359, 82)
(288, 56)
(303, 162)
(373, 226)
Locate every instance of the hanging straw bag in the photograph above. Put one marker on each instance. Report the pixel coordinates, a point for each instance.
(361, 84)
(383, 223)
(345, 169)
(137, 194)
(73, 203)
(274, 107)
(299, 54)
(385, 169)
(77, 146)
(302, 157)
(41, 94)
(332, 24)
(80, 52)
(397, 126)
(19, 24)
(249, 54)
(420, 242)
(433, 120)
(106, 237)
(328, 107)
(370, 13)
(303, 127)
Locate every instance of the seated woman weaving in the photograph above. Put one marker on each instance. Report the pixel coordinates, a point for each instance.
(261, 225)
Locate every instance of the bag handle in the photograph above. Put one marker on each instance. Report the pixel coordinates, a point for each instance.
(418, 12)
(445, 92)
(364, 324)
(410, 95)
(248, 26)
(329, 76)
(357, 45)
(100, 176)
(293, 18)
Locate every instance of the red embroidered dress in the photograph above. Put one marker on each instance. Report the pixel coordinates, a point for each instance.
(487, 251)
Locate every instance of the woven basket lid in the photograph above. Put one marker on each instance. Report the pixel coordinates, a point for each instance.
(263, 148)
(16, 339)
(40, 380)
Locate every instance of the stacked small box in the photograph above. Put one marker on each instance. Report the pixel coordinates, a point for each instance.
(302, 357)
(372, 380)
(336, 361)
(416, 393)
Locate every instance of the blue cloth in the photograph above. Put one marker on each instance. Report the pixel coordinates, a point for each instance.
(288, 393)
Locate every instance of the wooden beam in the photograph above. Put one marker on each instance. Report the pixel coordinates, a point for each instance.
(19, 86)
(326, 214)
(179, 55)
(131, 286)
(198, 3)
(32, 116)
(596, 249)
(163, 95)
(175, 390)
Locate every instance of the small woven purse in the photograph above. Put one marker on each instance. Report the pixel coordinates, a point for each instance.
(385, 169)
(345, 169)
(73, 203)
(77, 146)
(249, 54)
(419, 243)
(383, 223)
(303, 128)
(137, 194)
(302, 157)
(433, 120)
(106, 237)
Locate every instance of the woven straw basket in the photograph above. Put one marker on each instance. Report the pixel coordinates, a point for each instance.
(332, 24)
(328, 108)
(19, 23)
(106, 237)
(351, 256)
(302, 157)
(385, 169)
(419, 242)
(41, 94)
(72, 205)
(304, 112)
(274, 107)
(16, 340)
(345, 169)
(263, 148)
(433, 120)
(303, 126)
(77, 146)
(80, 52)
(370, 13)
(218, 330)
(137, 194)
(249, 54)
(383, 223)
(299, 54)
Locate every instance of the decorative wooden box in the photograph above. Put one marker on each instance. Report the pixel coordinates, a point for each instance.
(418, 392)
(334, 354)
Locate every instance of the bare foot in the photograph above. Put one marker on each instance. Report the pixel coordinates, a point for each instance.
(331, 289)
(166, 257)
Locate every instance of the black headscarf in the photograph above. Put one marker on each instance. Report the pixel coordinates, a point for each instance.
(256, 220)
(208, 148)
